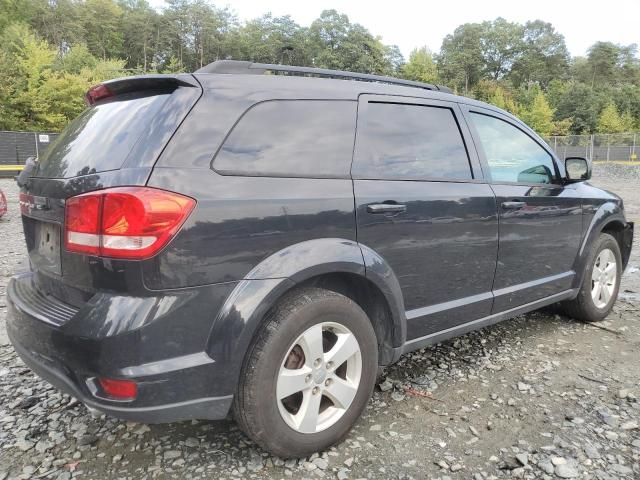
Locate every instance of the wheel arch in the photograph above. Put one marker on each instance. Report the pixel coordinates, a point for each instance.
(334, 264)
(608, 218)
(623, 233)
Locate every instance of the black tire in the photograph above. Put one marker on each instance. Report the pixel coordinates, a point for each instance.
(255, 405)
(583, 307)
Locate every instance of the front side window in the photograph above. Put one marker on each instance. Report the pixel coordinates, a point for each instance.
(291, 138)
(512, 155)
(409, 142)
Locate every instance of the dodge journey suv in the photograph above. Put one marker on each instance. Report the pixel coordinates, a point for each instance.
(258, 240)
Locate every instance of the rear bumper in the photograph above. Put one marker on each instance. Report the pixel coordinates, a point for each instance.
(159, 342)
(214, 408)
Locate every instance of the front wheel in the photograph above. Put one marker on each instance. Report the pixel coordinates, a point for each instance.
(601, 282)
(308, 375)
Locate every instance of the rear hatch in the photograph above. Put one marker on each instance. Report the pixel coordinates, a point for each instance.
(114, 142)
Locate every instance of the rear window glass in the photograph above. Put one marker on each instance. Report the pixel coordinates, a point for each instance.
(291, 138)
(409, 142)
(101, 137)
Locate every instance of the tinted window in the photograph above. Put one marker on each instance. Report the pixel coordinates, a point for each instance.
(291, 138)
(399, 141)
(513, 156)
(101, 137)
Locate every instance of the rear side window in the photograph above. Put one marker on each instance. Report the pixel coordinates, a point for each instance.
(291, 138)
(409, 142)
(101, 137)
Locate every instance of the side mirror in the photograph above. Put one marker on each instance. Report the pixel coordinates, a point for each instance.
(577, 168)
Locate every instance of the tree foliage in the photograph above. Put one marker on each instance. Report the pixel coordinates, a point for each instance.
(421, 66)
(610, 120)
(53, 50)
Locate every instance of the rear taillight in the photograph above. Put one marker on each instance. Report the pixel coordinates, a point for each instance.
(124, 222)
(3, 204)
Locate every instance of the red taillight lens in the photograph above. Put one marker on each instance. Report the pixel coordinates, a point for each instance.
(119, 389)
(3, 204)
(124, 222)
(97, 92)
(82, 222)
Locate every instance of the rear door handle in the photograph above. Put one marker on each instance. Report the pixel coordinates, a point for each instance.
(514, 205)
(386, 208)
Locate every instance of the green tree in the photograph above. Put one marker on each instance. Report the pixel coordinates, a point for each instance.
(610, 120)
(503, 99)
(271, 39)
(611, 64)
(539, 115)
(421, 67)
(82, 42)
(461, 61)
(25, 62)
(544, 55)
(75, 59)
(102, 20)
(15, 11)
(629, 123)
(394, 59)
(58, 22)
(501, 46)
(337, 43)
(195, 32)
(582, 103)
(139, 26)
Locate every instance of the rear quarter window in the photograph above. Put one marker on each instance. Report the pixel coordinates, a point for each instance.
(291, 138)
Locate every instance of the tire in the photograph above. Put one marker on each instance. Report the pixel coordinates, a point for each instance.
(584, 307)
(281, 426)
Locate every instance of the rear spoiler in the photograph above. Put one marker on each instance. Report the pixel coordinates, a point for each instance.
(119, 86)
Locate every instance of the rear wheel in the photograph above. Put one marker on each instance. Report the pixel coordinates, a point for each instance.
(601, 282)
(308, 375)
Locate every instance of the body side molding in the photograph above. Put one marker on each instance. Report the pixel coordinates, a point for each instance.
(436, 337)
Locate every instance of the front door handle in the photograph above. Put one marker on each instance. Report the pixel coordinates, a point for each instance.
(514, 205)
(386, 208)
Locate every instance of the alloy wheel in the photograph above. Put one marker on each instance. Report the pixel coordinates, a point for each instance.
(319, 377)
(604, 278)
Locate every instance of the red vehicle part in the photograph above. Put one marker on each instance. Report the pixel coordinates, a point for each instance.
(3, 204)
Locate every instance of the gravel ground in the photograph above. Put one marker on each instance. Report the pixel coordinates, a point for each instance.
(536, 397)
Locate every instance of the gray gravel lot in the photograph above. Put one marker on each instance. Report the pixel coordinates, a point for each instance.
(536, 397)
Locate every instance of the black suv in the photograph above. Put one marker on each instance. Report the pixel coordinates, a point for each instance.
(253, 240)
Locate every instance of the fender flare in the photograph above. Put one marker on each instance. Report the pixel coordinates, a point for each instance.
(242, 314)
(605, 214)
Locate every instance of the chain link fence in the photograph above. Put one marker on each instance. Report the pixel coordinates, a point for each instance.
(618, 147)
(16, 147)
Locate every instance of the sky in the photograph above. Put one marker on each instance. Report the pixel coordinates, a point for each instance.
(411, 24)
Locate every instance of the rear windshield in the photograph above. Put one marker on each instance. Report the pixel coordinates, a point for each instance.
(101, 137)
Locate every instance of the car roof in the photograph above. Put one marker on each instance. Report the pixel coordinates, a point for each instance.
(271, 87)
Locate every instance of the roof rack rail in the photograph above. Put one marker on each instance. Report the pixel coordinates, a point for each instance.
(238, 66)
